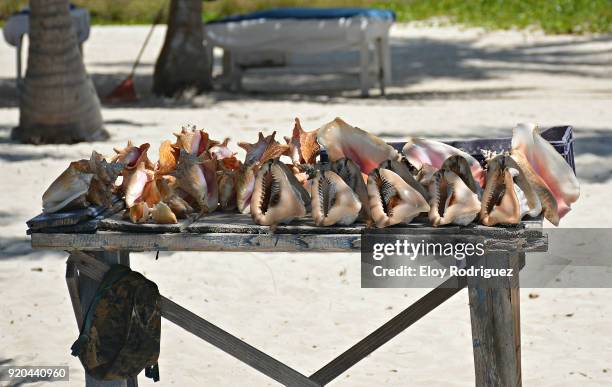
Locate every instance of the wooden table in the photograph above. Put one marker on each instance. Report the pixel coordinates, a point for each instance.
(494, 310)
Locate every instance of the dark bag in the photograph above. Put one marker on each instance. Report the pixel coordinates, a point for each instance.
(121, 331)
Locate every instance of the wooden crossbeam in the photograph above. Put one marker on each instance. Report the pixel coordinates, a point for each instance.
(389, 330)
(93, 268)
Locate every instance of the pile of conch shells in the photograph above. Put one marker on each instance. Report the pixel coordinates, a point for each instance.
(340, 174)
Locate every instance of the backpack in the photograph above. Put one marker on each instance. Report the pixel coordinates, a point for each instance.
(121, 330)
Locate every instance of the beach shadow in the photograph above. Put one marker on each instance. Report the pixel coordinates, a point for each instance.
(593, 141)
(9, 96)
(22, 155)
(597, 142)
(414, 61)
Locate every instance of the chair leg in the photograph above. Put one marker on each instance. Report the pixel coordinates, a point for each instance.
(380, 68)
(365, 67)
(386, 59)
(18, 49)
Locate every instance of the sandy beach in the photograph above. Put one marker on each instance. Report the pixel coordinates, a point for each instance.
(305, 309)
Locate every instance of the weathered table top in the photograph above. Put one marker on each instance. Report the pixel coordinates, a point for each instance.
(237, 232)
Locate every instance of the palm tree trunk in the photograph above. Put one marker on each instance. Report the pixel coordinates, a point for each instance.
(184, 63)
(58, 102)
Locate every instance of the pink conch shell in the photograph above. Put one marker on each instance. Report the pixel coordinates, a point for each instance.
(392, 200)
(547, 200)
(303, 146)
(197, 178)
(420, 151)
(193, 141)
(221, 151)
(139, 213)
(333, 201)
(548, 164)
(277, 197)
(341, 140)
(133, 155)
(452, 201)
(507, 196)
(266, 148)
(70, 189)
(135, 183)
(162, 214)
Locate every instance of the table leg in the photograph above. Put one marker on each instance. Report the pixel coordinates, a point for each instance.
(495, 316)
(87, 289)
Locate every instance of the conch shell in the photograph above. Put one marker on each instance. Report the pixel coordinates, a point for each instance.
(403, 169)
(162, 214)
(135, 184)
(168, 157)
(245, 184)
(197, 177)
(193, 141)
(392, 200)
(266, 148)
(548, 164)
(277, 197)
(226, 181)
(133, 155)
(69, 190)
(451, 200)
(350, 173)
(547, 200)
(508, 196)
(420, 151)
(333, 201)
(341, 140)
(150, 193)
(177, 204)
(221, 151)
(105, 174)
(303, 146)
(461, 167)
(139, 213)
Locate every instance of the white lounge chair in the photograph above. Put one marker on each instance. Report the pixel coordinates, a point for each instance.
(283, 31)
(18, 25)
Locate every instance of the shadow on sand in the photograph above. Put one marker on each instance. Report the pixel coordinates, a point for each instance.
(414, 61)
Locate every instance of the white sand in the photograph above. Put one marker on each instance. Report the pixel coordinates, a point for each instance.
(305, 308)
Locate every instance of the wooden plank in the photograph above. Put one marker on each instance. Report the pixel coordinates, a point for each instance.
(389, 330)
(494, 311)
(233, 346)
(196, 242)
(518, 240)
(117, 222)
(214, 335)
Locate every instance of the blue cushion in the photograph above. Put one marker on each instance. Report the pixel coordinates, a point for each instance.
(311, 13)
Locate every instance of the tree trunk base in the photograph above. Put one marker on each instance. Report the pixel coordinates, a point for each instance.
(45, 134)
